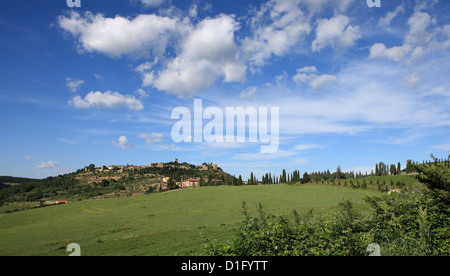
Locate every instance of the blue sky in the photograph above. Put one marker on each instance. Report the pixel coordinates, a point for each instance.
(98, 83)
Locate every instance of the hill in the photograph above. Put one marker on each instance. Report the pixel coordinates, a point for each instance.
(111, 181)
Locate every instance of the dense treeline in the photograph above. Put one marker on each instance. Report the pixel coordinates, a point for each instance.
(380, 169)
(413, 222)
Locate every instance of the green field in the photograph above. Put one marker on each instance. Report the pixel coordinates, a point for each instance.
(167, 224)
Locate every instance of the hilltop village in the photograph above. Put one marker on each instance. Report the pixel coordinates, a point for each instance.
(172, 175)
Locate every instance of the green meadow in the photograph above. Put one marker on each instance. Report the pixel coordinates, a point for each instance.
(164, 224)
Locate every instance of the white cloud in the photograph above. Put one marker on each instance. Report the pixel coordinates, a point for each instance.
(386, 21)
(74, 84)
(151, 138)
(366, 102)
(322, 81)
(139, 37)
(315, 6)
(307, 147)
(152, 3)
(141, 93)
(168, 147)
(28, 157)
(98, 76)
(208, 52)
(48, 165)
(420, 40)
(204, 52)
(309, 75)
(193, 10)
(249, 92)
(335, 32)
(379, 50)
(123, 143)
(280, 154)
(277, 27)
(148, 76)
(106, 100)
(419, 22)
(412, 79)
(445, 147)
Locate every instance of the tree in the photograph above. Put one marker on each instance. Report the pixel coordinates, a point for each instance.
(305, 178)
(171, 185)
(338, 172)
(364, 184)
(392, 169)
(435, 176)
(91, 168)
(283, 177)
(409, 166)
(399, 168)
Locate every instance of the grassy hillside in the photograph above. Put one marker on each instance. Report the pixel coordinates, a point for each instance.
(157, 224)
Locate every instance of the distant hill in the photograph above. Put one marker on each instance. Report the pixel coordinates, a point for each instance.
(12, 179)
(8, 181)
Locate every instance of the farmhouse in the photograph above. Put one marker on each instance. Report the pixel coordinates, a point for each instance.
(115, 167)
(190, 183)
(394, 191)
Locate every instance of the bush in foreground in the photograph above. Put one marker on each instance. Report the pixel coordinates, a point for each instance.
(413, 222)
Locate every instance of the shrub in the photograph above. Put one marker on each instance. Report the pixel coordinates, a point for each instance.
(268, 235)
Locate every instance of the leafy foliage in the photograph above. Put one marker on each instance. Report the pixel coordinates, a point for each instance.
(268, 235)
(415, 221)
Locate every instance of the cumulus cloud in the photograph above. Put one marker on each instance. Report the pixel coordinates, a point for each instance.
(74, 84)
(379, 50)
(151, 138)
(111, 100)
(123, 143)
(204, 52)
(276, 27)
(208, 52)
(309, 75)
(335, 32)
(139, 37)
(422, 38)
